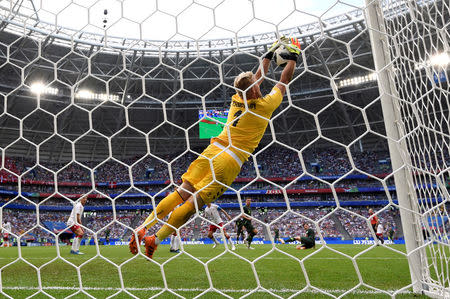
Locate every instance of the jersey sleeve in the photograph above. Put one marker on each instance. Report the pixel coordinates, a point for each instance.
(272, 100)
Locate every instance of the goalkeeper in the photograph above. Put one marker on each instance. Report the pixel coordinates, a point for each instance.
(227, 152)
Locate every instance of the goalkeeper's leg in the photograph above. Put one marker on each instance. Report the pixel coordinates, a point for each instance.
(163, 208)
(197, 171)
(179, 216)
(200, 175)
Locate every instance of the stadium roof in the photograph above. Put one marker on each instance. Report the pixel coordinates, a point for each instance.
(126, 72)
(33, 16)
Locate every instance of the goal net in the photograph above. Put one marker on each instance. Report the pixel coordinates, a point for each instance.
(415, 84)
(114, 99)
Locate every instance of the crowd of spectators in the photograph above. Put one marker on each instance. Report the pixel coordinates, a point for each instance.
(275, 161)
(356, 224)
(103, 224)
(289, 223)
(151, 168)
(260, 199)
(24, 222)
(163, 188)
(272, 162)
(287, 164)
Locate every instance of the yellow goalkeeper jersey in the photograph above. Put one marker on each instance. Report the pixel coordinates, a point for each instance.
(247, 130)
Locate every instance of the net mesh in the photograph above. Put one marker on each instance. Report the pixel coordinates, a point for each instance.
(86, 112)
(420, 60)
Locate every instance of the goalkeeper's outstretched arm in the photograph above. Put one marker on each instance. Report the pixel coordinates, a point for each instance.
(286, 76)
(264, 66)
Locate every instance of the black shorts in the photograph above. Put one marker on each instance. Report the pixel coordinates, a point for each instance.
(307, 242)
(249, 226)
(239, 223)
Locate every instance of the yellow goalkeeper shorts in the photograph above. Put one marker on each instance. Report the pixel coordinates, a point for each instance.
(226, 166)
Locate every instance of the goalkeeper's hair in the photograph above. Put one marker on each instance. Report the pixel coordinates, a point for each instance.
(242, 82)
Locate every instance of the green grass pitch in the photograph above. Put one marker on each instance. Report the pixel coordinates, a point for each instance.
(187, 277)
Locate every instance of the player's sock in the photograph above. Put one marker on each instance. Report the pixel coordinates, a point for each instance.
(250, 239)
(163, 209)
(289, 240)
(172, 243)
(178, 217)
(78, 243)
(176, 243)
(215, 242)
(231, 243)
(74, 243)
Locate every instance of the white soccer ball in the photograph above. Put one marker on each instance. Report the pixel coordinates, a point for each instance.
(280, 56)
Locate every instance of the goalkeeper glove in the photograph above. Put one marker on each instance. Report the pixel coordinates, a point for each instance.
(273, 48)
(293, 46)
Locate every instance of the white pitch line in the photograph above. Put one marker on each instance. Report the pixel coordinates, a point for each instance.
(223, 258)
(201, 290)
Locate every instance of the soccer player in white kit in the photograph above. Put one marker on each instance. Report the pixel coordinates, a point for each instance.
(6, 232)
(380, 232)
(74, 224)
(212, 213)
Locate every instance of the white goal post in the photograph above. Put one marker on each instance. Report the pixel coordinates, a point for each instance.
(403, 51)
